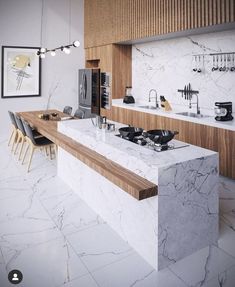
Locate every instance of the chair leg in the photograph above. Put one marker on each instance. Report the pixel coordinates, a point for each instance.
(46, 151)
(27, 148)
(12, 133)
(50, 151)
(14, 140)
(21, 148)
(30, 157)
(19, 139)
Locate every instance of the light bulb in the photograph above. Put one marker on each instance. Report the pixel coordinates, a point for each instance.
(53, 53)
(43, 50)
(76, 43)
(66, 50)
(42, 55)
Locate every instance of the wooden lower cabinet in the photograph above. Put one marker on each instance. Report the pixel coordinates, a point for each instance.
(216, 139)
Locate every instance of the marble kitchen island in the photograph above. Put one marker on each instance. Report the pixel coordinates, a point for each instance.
(180, 219)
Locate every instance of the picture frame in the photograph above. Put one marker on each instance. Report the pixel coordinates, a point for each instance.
(21, 72)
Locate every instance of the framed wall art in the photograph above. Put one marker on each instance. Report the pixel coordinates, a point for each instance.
(21, 72)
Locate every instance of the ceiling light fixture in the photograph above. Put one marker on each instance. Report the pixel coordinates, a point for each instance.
(66, 49)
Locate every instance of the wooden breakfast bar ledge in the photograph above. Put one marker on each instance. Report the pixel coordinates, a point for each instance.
(164, 204)
(135, 185)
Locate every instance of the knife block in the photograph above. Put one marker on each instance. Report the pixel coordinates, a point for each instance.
(166, 106)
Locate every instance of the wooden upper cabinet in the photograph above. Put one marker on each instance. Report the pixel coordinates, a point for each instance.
(113, 21)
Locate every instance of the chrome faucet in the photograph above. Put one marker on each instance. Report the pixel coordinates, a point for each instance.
(197, 103)
(155, 96)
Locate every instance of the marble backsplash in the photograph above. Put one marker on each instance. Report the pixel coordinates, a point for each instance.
(167, 65)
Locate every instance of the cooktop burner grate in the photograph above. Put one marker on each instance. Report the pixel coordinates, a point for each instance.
(140, 140)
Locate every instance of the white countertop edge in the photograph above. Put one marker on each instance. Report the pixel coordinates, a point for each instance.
(208, 121)
(140, 160)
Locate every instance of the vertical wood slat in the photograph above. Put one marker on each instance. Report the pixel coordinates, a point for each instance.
(191, 14)
(216, 14)
(109, 22)
(223, 10)
(199, 13)
(232, 11)
(227, 15)
(159, 17)
(178, 15)
(203, 13)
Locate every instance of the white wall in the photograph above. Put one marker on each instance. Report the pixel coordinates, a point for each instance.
(166, 65)
(20, 22)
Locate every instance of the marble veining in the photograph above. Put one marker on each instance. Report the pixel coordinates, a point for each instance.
(183, 217)
(140, 160)
(56, 264)
(196, 196)
(167, 65)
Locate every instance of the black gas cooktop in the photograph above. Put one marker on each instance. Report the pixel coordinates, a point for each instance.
(140, 140)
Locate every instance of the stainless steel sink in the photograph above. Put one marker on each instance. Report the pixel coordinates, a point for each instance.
(147, 107)
(192, 115)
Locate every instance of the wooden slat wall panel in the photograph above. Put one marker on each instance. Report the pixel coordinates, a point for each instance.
(109, 22)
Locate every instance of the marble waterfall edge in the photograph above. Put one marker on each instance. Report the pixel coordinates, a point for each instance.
(188, 208)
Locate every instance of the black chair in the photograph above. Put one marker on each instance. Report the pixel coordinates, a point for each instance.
(79, 114)
(14, 132)
(22, 134)
(34, 143)
(67, 110)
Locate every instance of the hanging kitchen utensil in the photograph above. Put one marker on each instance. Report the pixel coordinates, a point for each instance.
(199, 65)
(195, 64)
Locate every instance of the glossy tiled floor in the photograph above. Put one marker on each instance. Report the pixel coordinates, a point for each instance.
(55, 239)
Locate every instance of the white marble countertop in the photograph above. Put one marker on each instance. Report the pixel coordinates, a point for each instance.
(139, 159)
(209, 121)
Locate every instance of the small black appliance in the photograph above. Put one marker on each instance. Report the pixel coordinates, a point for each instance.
(128, 99)
(223, 111)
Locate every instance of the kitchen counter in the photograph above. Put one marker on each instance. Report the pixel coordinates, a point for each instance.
(141, 160)
(181, 219)
(209, 121)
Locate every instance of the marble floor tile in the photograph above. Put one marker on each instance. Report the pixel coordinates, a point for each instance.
(84, 281)
(70, 213)
(50, 186)
(42, 171)
(226, 194)
(202, 266)
(224, 279)
(227, 234)
(4, 277)
(50, 264)
(56, 240)
(21, 233)
(1, 257)
(99, 246)
(25, 205)
(134, 271)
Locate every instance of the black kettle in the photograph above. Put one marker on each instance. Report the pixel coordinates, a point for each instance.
(128, 99)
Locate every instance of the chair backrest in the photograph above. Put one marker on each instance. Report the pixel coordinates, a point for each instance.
(79, 114)
(20, 124)
(67, 110)
(13, 120)
(28, 131)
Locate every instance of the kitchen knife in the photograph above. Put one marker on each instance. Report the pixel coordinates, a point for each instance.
(189, 91)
